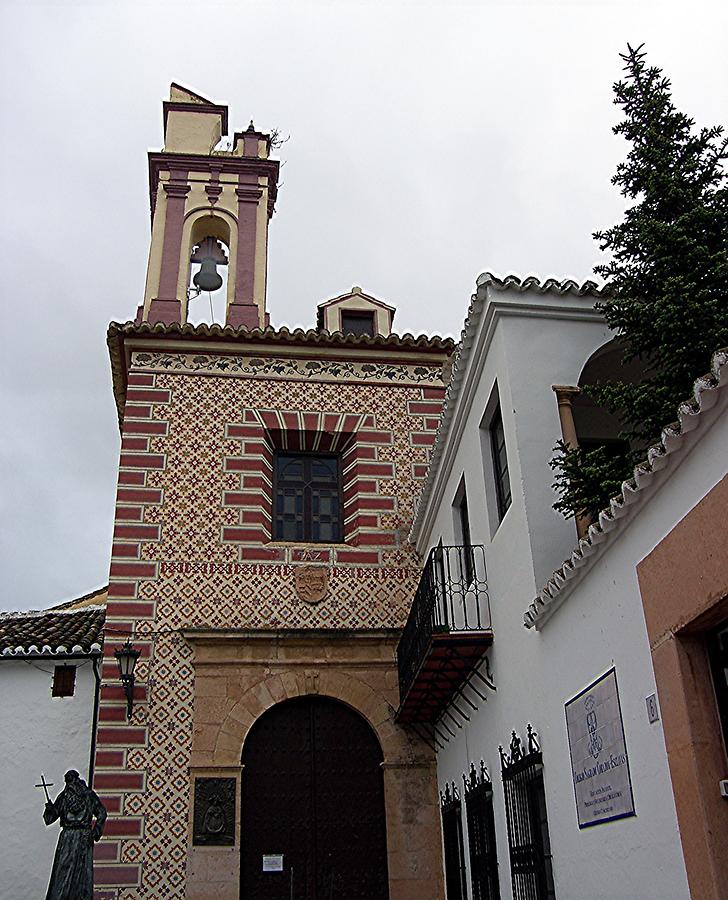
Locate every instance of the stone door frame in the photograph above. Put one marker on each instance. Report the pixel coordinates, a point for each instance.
(239, 674)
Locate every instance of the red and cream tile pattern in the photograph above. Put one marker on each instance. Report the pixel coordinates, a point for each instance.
(192, 548)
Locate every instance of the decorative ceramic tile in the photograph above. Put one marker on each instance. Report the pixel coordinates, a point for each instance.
(287, 368)
(204, 581)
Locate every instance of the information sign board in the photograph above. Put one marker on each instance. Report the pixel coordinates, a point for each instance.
(599, 763)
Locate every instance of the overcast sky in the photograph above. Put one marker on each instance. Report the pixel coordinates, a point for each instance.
(428, 142)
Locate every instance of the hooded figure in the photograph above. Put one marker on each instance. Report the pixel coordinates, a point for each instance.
(76, 806)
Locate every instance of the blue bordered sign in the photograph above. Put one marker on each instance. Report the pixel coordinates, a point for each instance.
(599, 762)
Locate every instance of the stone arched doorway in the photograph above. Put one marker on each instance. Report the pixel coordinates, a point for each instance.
(312, 791)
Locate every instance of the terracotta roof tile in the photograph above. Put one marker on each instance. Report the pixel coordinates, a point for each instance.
(52, 632)
(96, 597)
(549, 285)
(260, 336)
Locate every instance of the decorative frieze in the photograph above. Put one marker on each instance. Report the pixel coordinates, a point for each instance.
(282, 368)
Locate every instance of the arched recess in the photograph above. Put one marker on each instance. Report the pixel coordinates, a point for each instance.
(313, 797)
(594, 424)
(199, 223)
(398, 745)
(227, 708)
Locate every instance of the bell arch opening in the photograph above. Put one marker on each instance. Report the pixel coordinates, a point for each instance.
(313, 810)
(207, 261)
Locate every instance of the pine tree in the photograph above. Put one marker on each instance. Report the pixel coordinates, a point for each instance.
(667, 275)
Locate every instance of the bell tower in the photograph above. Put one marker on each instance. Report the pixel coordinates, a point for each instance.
(210, 207)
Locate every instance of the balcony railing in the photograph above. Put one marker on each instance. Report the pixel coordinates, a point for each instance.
(447, 631)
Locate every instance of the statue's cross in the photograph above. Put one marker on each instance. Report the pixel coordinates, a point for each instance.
(45, 785)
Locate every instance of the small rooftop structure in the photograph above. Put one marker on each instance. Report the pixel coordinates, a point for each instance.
(355, 313)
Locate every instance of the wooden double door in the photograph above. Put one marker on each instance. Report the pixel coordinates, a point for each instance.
(312, 793)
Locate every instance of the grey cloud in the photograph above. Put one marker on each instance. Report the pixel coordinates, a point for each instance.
(428, 142)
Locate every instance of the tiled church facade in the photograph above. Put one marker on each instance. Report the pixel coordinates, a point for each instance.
(211, 599)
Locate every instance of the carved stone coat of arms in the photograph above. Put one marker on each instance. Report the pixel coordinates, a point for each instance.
(312, 583)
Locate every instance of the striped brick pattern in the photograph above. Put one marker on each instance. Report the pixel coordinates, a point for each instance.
(358, 440)
(126, 614)
(426, 413)
(254, 496)
(195, 426)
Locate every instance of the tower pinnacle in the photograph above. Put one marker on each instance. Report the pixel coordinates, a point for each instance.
(203, 197)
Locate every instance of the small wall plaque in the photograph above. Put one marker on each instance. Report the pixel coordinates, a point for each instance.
(273, 862)
(214, 812)
(653, 713)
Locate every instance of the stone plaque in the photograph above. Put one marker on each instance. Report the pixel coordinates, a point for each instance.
(312, 583)
(214, 812)
(599, 764)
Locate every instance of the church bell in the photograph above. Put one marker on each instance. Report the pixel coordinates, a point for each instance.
(210, 254)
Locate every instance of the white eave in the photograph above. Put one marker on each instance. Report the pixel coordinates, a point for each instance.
(446, 442)
(675, 440)
(34, 650)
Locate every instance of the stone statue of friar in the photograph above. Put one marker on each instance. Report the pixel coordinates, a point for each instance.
(77, 806)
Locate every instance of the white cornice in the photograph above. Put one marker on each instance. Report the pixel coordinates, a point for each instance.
(480, 323)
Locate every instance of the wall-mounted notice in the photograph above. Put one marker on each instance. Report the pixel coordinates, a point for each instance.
(599, 764)
(273, 862)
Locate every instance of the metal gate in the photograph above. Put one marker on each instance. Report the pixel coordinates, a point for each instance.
(313, 794)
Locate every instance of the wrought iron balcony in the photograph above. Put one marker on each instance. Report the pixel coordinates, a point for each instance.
(447, 632)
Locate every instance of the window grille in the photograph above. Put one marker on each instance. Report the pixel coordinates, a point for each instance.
(64, 681)
(481, 834)
(528, 833)
(452, 836)
(307, 498)
(500, 463)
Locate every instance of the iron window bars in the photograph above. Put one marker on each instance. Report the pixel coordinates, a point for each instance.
(307, 498)
(528, 833)
(481, 834)
(452, 837)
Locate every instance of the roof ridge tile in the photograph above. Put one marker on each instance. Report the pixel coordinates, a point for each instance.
(69, 631)
(549, 285)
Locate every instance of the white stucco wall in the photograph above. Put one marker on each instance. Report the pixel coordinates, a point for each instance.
(526, 342)
(38, 733)
(599, 626)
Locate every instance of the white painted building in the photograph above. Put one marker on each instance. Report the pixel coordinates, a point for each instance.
(48, 687)
(520, 339)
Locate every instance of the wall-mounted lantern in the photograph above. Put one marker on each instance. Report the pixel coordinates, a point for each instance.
(127, 656)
